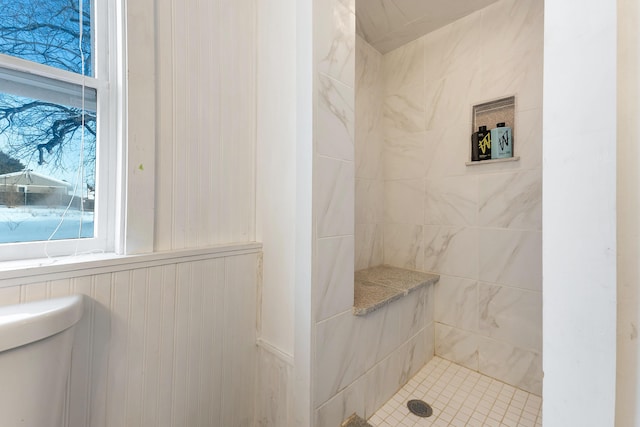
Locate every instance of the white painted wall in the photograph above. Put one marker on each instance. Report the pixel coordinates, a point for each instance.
(276, 173)
(137, 78)
(628, 203)
(304, 225)
(276, 220)
(579, 214)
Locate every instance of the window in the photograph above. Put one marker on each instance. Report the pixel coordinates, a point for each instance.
(56, 116)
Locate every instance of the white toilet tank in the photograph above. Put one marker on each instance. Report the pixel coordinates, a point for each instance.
(35, 357)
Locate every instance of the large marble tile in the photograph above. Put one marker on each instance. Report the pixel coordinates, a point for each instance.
(404, 111)
(369, 133)
(368, 68)
(429, 304)
(448, 149)
(349, 401)
(369, 106)
(456, 303)
(401, 36)
(451, 251)
(412, 313)
(517, 46)
(334, 184)
(511, 257)
(449, 99)
(511, 200)
(368, 245)
(378, 17)
(368, 154)
(518, 25)
(380, 335)
(404, 66)
(369, 201)
(513, 365)
(457, 345)
(440, 147)
(347, 346)
(369, 144)
(519, 75)
(389, 375)
(512, 315)
(397, 278)
(404, 156)
(430, 340)
(403, 246)
(528, 138)
(440, 14)
(340, 360)
(335, 133)
(453, 47)
(333, 290)
(452, 201)
(436, 8)
(404, 201)
(335, 40)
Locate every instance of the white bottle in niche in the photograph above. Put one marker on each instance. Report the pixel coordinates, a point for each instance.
(501, 142)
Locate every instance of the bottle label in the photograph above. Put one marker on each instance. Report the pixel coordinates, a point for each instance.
(504, 141)
(485, 144)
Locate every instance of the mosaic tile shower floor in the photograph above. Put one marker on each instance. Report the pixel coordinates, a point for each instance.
(460, 397)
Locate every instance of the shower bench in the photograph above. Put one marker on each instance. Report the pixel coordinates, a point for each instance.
(376, 287)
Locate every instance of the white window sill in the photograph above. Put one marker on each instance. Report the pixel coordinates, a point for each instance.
(21, 272)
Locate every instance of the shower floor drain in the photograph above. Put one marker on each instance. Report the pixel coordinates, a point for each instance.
(419, 408)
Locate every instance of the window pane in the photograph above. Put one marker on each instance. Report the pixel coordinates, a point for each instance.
(48, 32)
(47, 167)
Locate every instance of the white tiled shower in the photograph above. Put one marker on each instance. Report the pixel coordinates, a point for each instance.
(420, 207)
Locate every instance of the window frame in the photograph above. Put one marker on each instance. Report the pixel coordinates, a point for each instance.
(107, 37)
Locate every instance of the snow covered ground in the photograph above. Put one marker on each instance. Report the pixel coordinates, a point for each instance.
(35, 223)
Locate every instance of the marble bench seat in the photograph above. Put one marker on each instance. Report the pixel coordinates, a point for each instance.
(377, 286)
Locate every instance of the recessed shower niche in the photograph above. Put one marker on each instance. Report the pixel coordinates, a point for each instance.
(491, 115)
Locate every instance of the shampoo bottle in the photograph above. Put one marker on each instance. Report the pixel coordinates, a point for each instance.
(502, 139)
(484, 144)
(475, 144)
(480, 144)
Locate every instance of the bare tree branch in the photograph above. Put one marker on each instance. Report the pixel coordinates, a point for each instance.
(47, 32)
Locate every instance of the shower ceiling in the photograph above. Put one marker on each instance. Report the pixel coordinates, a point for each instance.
(388, 24)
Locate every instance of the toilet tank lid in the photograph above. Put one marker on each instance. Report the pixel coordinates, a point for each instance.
(21, 324)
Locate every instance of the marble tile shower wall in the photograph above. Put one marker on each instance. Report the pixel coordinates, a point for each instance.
(479, 227)
(359, 362)
(368, 148)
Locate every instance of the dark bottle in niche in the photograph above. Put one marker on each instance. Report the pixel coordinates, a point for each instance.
(481, 144)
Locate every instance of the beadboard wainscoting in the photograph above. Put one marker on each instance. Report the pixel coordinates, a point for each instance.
(163, 341)
(206, 122)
